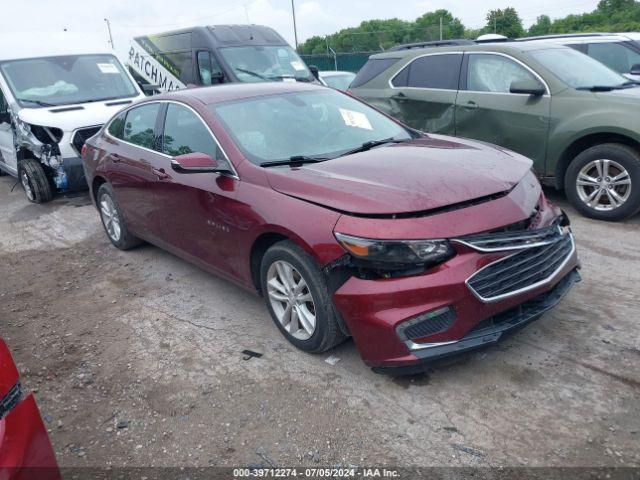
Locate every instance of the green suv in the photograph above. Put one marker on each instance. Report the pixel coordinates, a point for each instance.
(575, 118)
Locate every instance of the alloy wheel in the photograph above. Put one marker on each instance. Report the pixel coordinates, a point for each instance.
(603, 185)
(291, 300)
(26, 184)
(110, 218)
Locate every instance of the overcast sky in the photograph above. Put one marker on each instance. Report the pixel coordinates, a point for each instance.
(315, 17)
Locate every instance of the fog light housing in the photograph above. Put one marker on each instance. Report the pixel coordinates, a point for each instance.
(430, 323)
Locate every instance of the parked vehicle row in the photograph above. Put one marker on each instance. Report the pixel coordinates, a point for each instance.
(346, 221)
(576, 118)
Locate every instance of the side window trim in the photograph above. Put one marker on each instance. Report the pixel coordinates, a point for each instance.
(513, 59)
(408, 65)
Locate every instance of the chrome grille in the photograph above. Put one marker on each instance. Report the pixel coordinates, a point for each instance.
(524, 270)
(514, 240)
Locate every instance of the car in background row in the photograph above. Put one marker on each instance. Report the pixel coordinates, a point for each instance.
(618, 51)
(349, 223)
(576, 118)
(337, 79)
(203, 56)
(25, 450)
(53, 96)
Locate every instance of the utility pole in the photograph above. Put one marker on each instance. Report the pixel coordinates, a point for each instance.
(110, 36)
(295, 29)
(441, 28)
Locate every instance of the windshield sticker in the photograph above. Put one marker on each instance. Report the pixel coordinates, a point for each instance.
(297, 65)
(355, 119)
(108, 68)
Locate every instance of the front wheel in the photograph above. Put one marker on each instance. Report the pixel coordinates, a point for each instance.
(603, 182)
(35, 182)
(296, 294)
(113, 220)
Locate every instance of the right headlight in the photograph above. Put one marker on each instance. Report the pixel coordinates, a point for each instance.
(397, 253)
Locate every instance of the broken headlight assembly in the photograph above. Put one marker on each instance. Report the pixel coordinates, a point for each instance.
(391, 258)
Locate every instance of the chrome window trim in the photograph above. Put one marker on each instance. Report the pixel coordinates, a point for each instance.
(432, 54)
(524, 65)
(421, 346)
(234, 173)
(528, 288)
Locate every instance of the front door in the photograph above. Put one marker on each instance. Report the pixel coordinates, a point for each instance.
(7, 145)
(423, 94)
(198, 210)
(486, 110)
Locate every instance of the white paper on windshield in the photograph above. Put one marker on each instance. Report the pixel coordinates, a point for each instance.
(297, 65)
(355, 119)
(108, 68)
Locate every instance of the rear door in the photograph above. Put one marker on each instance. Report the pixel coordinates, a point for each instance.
(130, 164)
(196, 209)
(486, 110)
(424, 92)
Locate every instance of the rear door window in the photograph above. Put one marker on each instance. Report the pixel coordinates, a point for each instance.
(432, 71)
(371, 70)
(494, 73)
(140, 125)
(185, 132)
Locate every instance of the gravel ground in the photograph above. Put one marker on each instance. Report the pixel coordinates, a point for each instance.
(135, 360)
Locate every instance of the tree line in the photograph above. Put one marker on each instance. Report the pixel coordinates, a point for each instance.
(377, 35)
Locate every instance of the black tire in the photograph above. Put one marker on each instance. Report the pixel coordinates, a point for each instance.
(126, 239)
(628, 158)
(327, 333)
(39, 188)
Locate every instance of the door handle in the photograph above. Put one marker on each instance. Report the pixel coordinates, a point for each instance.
(399, 96)
(471, 105)
(115, 158)
(160, 173)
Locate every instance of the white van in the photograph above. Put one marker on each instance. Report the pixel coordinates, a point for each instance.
(55, 93)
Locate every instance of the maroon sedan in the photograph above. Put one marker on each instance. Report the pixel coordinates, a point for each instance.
(347, 222)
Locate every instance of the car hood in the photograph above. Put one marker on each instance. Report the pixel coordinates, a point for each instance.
(71, 117)
(425, 174)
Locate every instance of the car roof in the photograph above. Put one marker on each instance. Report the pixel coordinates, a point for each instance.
(581, 38)
(237, 91)
(22, 46)
(500, 47)
(223, 35)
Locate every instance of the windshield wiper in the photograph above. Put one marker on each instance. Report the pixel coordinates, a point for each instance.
(608, 88)
(38, 102)
(371, 144)
(249, 72)
(295, 160)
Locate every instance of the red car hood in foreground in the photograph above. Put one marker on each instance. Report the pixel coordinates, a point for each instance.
(421, 175)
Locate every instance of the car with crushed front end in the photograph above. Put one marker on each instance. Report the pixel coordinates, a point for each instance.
(346, 221)
(573, 116)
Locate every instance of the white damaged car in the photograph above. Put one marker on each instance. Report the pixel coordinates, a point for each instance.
(55, 93)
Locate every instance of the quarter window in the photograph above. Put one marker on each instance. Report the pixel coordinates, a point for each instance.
(140, 125)
(494, 73)
(433, 71)
(184, 133)
(116, 127)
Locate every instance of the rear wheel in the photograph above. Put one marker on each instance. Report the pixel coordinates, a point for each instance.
(113, 221)
(296, 294)
(603, 182)
(35, 182)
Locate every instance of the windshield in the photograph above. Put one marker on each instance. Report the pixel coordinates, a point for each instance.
(266, 63)
(578, 70)
(341, 82)
(49, 81)
(321, 124)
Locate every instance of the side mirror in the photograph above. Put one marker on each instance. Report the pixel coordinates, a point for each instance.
(150, 89)
(528, 87)
(635, 69)
(315, 71)
(195, 162)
